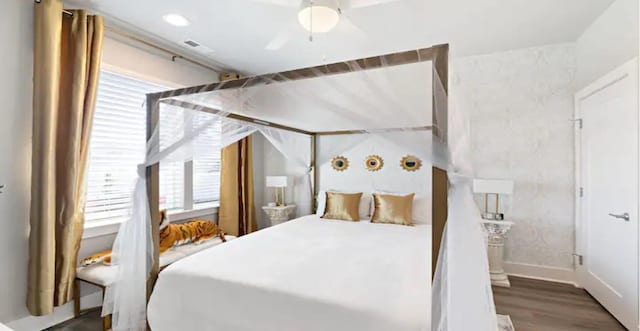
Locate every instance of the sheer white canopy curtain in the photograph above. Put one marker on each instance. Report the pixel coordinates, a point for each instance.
(461, 294)
(133, 247)
(399, 97)
(296, 147)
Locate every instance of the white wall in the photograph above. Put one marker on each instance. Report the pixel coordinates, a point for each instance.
(609, 42)
(260, 193)
(16, 34)
(356, 148)
(137, 60)
(268, 161)
(520, 105)
(391, 178)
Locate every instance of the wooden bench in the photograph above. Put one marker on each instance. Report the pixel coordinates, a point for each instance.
(103, 276)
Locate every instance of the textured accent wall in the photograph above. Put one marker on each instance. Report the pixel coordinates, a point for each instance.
(520, 106)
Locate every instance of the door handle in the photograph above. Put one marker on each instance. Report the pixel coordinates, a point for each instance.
(624, 216)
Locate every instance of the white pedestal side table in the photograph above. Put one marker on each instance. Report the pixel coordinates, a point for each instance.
(279, 214)
(496, 231)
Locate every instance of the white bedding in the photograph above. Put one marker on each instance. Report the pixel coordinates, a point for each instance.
(304, 275)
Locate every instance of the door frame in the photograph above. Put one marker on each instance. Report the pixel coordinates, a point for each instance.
(629, 68)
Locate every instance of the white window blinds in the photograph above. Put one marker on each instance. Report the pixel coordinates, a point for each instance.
(117, 146)
(171, 172)
(206, 165)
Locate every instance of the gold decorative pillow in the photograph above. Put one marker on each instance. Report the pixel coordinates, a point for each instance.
(342, 206)
(393, 209)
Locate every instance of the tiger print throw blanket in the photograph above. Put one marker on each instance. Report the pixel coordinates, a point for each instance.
(171, 235)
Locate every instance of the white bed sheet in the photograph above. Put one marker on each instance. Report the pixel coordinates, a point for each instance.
(304, 275)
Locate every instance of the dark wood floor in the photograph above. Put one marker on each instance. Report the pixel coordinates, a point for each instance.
(90, 321)
(532, 304)
(536, 305)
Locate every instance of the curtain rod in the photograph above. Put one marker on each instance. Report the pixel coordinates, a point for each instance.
(174, 56)
(63, 10)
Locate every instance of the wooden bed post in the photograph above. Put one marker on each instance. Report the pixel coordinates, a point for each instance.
(153, 191)
(440, 183)
(314, 172)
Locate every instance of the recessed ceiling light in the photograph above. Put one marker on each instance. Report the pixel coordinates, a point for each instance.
(176, 19)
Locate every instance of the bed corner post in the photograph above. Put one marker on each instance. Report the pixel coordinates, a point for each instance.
(314, 172)
(440, 183)
(153, 191)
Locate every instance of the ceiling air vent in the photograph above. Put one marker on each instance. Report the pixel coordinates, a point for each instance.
(196, 46)
(191, 43)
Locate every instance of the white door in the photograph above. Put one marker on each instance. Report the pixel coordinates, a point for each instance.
(607, 235)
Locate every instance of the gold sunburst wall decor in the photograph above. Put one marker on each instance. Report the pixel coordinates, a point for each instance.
(411, 163)
(373, 163)
(340, 163)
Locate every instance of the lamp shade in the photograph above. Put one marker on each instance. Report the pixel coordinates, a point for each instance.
(318, 18)
(276, 181)
(494, 186)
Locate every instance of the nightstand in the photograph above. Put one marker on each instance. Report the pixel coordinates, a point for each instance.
(279, 214)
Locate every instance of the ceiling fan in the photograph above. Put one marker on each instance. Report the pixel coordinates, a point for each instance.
(319, 16)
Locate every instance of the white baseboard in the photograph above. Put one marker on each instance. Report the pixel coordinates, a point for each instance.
(552, 274)
(59, 315)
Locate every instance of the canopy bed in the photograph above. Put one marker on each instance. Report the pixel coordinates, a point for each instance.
(254, 280)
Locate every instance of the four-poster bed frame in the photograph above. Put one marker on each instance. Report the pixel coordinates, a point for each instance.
(438, 55)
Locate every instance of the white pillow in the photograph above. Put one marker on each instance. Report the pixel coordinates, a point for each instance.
(421, 207)
(421, 211)
(363, 208)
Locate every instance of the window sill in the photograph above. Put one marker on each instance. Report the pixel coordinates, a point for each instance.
(101, 228)
(111, 226)
(201, 210)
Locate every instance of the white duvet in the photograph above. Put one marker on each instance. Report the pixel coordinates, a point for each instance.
(304, 275)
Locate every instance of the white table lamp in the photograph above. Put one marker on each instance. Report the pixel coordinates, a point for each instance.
(495, 187)
(278, 183)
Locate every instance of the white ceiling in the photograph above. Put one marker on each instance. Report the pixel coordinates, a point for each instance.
(237, 31)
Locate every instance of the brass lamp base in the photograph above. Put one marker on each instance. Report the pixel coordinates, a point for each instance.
(495, 216)
(279, 197)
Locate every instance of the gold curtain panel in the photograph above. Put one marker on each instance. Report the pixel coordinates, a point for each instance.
(67, 56)
(237, 214)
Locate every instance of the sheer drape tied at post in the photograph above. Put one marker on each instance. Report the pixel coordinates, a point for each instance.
(462, 299)
(142, 170)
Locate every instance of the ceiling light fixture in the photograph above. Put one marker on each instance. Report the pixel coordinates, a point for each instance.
(176, 19)
(319, 16)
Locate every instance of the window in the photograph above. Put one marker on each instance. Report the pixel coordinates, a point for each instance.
(118, 143)
(206, 165)
(172, 174)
